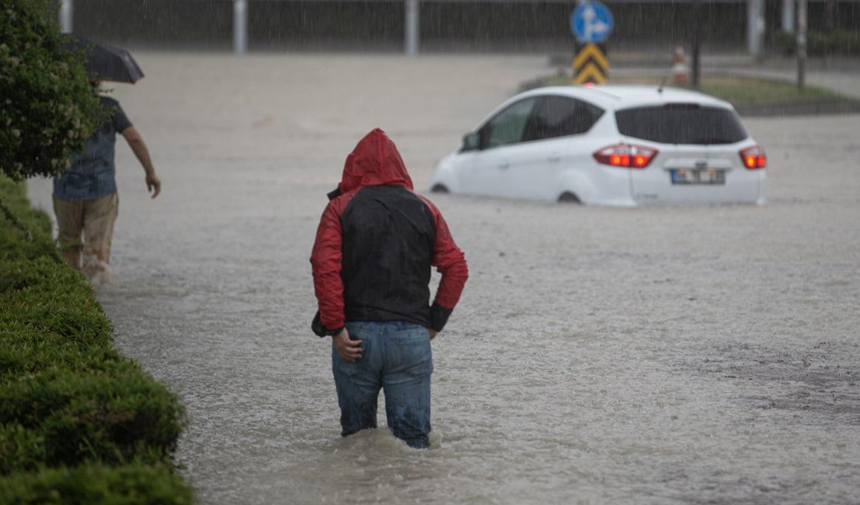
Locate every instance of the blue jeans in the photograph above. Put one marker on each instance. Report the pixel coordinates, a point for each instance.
(396, 357)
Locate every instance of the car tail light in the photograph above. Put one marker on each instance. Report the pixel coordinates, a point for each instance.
(754, 157)
(626, 156)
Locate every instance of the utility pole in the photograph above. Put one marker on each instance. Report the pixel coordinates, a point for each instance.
(66, 11)
(801, 44)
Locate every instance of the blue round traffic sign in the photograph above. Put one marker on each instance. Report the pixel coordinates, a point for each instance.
(591, 22)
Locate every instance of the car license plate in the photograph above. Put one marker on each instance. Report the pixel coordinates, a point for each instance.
(686, 176)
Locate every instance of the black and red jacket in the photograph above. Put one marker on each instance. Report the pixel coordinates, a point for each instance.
(376, 243)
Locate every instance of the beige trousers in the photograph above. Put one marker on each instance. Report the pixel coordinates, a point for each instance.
(94, 219)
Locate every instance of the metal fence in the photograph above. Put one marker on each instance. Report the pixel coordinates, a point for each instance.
(429, 25)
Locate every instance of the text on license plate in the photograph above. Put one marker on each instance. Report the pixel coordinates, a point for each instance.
(698, 176)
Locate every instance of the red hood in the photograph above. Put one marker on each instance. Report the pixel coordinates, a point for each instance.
(375, 161)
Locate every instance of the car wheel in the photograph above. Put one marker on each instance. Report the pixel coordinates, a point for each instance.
(568, 198)
(439, 188)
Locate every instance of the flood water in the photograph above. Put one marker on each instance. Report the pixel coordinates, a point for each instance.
(598, 355)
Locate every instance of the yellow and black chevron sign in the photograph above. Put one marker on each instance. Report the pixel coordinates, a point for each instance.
(590, 65)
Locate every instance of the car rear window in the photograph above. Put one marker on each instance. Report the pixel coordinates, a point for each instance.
(681, 124)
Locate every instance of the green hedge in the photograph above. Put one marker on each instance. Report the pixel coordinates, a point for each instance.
(111, 417)
(21, 449)
(835, 43)
(93, 484)
(67, 397)
(25, 233)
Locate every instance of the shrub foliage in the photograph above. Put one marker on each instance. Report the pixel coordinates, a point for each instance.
(94, 484)
(24, 233)
(79, 423)
(47, 106)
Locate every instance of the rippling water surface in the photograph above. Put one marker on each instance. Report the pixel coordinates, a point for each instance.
(599, 355)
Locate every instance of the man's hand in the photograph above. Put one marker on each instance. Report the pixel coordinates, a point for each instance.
(349, 350)
(153, 184)
(432, 334)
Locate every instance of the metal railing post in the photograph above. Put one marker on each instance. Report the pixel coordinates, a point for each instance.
(755, 27)
(412, 27)
(240, 26)
(801, 44)
(788, 16)
(66, 8)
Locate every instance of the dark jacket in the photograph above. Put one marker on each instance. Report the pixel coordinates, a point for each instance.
(376, 243)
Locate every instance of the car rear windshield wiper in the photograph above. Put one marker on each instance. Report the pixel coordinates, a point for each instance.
(713, 140)
(682, 106)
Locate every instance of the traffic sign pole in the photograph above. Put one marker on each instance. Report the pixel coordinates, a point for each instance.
(591, 23)
(591, 65)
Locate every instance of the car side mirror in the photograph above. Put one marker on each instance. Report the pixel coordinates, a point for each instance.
(471, 142)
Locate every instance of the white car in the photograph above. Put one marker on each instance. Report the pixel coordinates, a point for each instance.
(609, 145)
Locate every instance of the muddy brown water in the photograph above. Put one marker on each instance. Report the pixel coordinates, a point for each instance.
(599, 355)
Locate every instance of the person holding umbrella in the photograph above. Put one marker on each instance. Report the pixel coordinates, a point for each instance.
(85, 197)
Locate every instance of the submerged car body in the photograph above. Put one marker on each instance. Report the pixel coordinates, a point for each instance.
(609, 145)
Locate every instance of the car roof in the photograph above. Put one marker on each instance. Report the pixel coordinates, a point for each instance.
(623, 97)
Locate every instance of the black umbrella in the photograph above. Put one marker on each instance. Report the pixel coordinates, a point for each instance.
(106, 62)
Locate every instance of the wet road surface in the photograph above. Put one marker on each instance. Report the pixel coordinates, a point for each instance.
(599, 355)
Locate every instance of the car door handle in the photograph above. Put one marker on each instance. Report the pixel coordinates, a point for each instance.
(504, 166)
(554, 159)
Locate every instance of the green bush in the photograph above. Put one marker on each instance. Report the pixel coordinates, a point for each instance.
(60, 375)
(112, 416)
(835, 43)
(49, 108)
(52, 298)
(25, 233)
(50, 320)
(27, 352)
(92, 484)
(79, 423)
(21, 450)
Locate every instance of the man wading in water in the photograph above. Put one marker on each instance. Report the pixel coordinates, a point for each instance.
(85, 197)
(375, 246)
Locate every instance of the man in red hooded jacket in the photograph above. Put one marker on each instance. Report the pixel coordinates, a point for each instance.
(375, 246)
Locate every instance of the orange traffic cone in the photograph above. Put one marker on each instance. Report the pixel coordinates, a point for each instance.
(680, 70)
